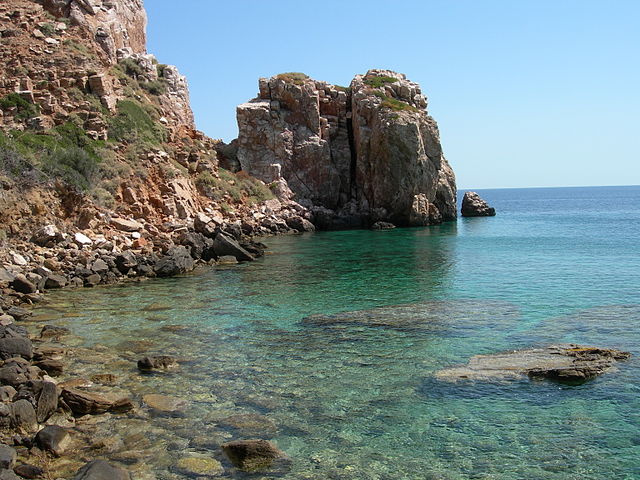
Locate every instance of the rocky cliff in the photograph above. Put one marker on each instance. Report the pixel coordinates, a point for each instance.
(355, 155)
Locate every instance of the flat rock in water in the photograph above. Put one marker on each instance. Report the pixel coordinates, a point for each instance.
(164, 403)
(564, 363)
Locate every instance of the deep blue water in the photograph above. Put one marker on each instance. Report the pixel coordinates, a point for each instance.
(354, 396)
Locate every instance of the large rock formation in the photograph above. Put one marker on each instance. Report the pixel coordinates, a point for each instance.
(474, 206)
(361, 154)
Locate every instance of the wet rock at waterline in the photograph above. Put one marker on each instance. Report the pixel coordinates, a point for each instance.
(563, 363)
(157, 363)
(54, 439)
(82, 402)
(474, 206)
(200, 467)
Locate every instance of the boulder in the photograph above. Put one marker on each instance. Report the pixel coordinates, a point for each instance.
(125, 261)
(16, 347)
(47, 401)
(23, 415)
(7, 393)
(474, 206)
(19, 313)
(101, 470)
(383, 226)
(54, 281)
(7, 456)
(225, 245)
(82, 240)
(99, 266)
(54, 439)
(204, 224)
(22, 285)
(29, 471)
(47, 235)
(158, 362)
(53, 331)
(563, 363)
(252, 455)
(82, 402)
(8, 475)
(300, 224)
(176, 261)
(125, 225)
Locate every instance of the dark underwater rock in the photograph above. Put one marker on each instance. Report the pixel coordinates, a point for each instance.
(252, 455)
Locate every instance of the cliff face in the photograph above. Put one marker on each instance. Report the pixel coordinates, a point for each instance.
(362, 154)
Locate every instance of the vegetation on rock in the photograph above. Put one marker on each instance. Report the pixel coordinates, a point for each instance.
(378, 82)
(297, 78)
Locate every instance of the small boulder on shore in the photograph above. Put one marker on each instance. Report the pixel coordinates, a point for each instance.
(101, 470)
(158, 362)
(474, 206)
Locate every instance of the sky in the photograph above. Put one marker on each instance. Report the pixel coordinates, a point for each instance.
(526, 92)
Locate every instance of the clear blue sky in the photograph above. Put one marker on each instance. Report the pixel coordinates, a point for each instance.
(526, 92)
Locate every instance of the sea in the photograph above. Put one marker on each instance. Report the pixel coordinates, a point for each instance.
(330, 345)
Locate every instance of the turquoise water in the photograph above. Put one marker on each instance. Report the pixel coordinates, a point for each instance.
(353, 396)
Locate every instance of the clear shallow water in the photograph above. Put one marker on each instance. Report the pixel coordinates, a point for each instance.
(353, 397)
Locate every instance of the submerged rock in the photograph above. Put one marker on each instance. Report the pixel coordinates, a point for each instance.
(474, 206)
(564, 363)
(252, 455)
(101, 470)
(82, 402)
(200, 466)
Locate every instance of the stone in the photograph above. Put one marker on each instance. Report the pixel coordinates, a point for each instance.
(159, 362)
(176, 261)
(23, 415)
(563, 363)
(47, 401)
(82, 240)
(6, 320)
(83, 403)
(16, 347)
(54, 281)
(101, 470)
(22, 285)
(203, 224)
(100, 266)
(125, 225)
(7, 393)
(18, 259)
(104, 378)
(225, 245)
(53, 331)
(164, 403)
(251, 425)
(126, 261)
(252, 455)
(474, 206)
(19, 313)
(300, 224)
(227, 260)
(7, 457)
(200, 467)
(92, 280)
(8, 475)
(54, 439)
(29, 471)
(382, 226)
(47, 235)
(6, 276)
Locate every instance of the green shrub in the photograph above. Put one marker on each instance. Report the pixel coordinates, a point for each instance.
(160, 69)
(346, 90)
(297, 78)
(49, 29)
(131, 67)
(134, 124)
(73, 165)
(394, 103)
(378, 82)
(157, 87)
(24, 109)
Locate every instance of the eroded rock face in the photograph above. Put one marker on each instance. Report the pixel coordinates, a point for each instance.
(474, 206)
(367, 153)
(115, 24)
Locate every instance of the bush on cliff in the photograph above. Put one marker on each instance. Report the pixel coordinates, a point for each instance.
(239, 186)
(378, 82)
(134, 124)
(297, 78)
(24, 109)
